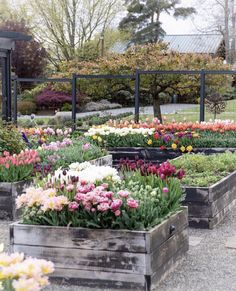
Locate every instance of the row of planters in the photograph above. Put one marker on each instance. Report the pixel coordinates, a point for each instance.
(97, 226)
(209, 195)
(36, 153)
(123, 229)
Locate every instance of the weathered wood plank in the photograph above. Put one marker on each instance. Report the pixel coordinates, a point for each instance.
(198, 209)
(167, 250)
(80, 238)
(176, 223)
(104, 261)
(107, 280)
(198, 194)
(221, 215)
(168, 267)
(103, 161)
(219, 204)
(223, 186)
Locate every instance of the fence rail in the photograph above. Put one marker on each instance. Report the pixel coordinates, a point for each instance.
(134, 77)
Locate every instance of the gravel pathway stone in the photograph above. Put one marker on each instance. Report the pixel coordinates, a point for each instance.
(208, 266)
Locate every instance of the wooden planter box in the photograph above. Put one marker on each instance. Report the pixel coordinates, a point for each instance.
(148, 154)
(156, 154)
(208, 206)
(132, 260)
(103, 161)
(8, 194)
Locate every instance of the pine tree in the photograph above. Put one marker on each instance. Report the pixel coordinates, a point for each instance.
(143, 18)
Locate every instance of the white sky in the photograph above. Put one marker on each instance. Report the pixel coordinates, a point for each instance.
(172, 26)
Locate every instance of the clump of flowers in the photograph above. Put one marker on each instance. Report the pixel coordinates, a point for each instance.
(164, 170)
(56, 145)
(23, 274)
(85, 172)
(19, 167)
(36, 137)
(83, 204)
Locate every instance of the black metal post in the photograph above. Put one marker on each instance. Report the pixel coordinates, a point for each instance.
(202, 96)
(15, 100)
(137, 96)
(8, 84)
(4, 90)
(74, 79)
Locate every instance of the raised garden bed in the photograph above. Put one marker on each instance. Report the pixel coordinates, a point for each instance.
(8, 194)
(103, 161)
(135, 260)
(209, 205)
(156, 154)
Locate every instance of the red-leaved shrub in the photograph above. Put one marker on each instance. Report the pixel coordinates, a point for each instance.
(50, 98)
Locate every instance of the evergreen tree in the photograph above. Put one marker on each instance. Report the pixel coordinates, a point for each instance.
(143, 18)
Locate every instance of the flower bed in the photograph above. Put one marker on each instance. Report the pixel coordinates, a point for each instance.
(135, 260)
(15, 176)
(210, 186)
(156, 142)
(134, 218)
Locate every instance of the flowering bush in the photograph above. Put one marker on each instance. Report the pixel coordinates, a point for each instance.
(19, 167)
(23, 274)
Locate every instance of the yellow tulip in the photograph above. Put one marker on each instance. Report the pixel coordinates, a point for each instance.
(174, 146)
(149, 142)
(189, 148)
(182, 149)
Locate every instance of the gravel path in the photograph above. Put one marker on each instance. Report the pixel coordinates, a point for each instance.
(208, 266)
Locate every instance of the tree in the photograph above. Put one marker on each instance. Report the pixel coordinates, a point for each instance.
(215, 104)
(149, 57)
(29, 59)
(219, 16)
(66, 26)
(143, 18)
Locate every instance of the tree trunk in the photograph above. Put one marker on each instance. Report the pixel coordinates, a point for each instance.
(226, 34)
(157, 107)
(233, 34)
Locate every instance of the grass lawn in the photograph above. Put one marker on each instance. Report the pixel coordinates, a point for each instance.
(193, 114)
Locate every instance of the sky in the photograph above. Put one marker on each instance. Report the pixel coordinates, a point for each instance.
(172, 26)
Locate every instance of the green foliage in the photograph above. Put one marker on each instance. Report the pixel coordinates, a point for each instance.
(30, 95)
(10, 139)
(154, 204)
(26, 107)
(147, 57)
(202, 170)
(68, 155)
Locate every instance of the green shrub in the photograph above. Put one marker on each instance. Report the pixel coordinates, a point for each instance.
(66, 107)
(10, 139)
(26, 107)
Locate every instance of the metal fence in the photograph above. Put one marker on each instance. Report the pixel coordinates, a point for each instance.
(74, 81)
